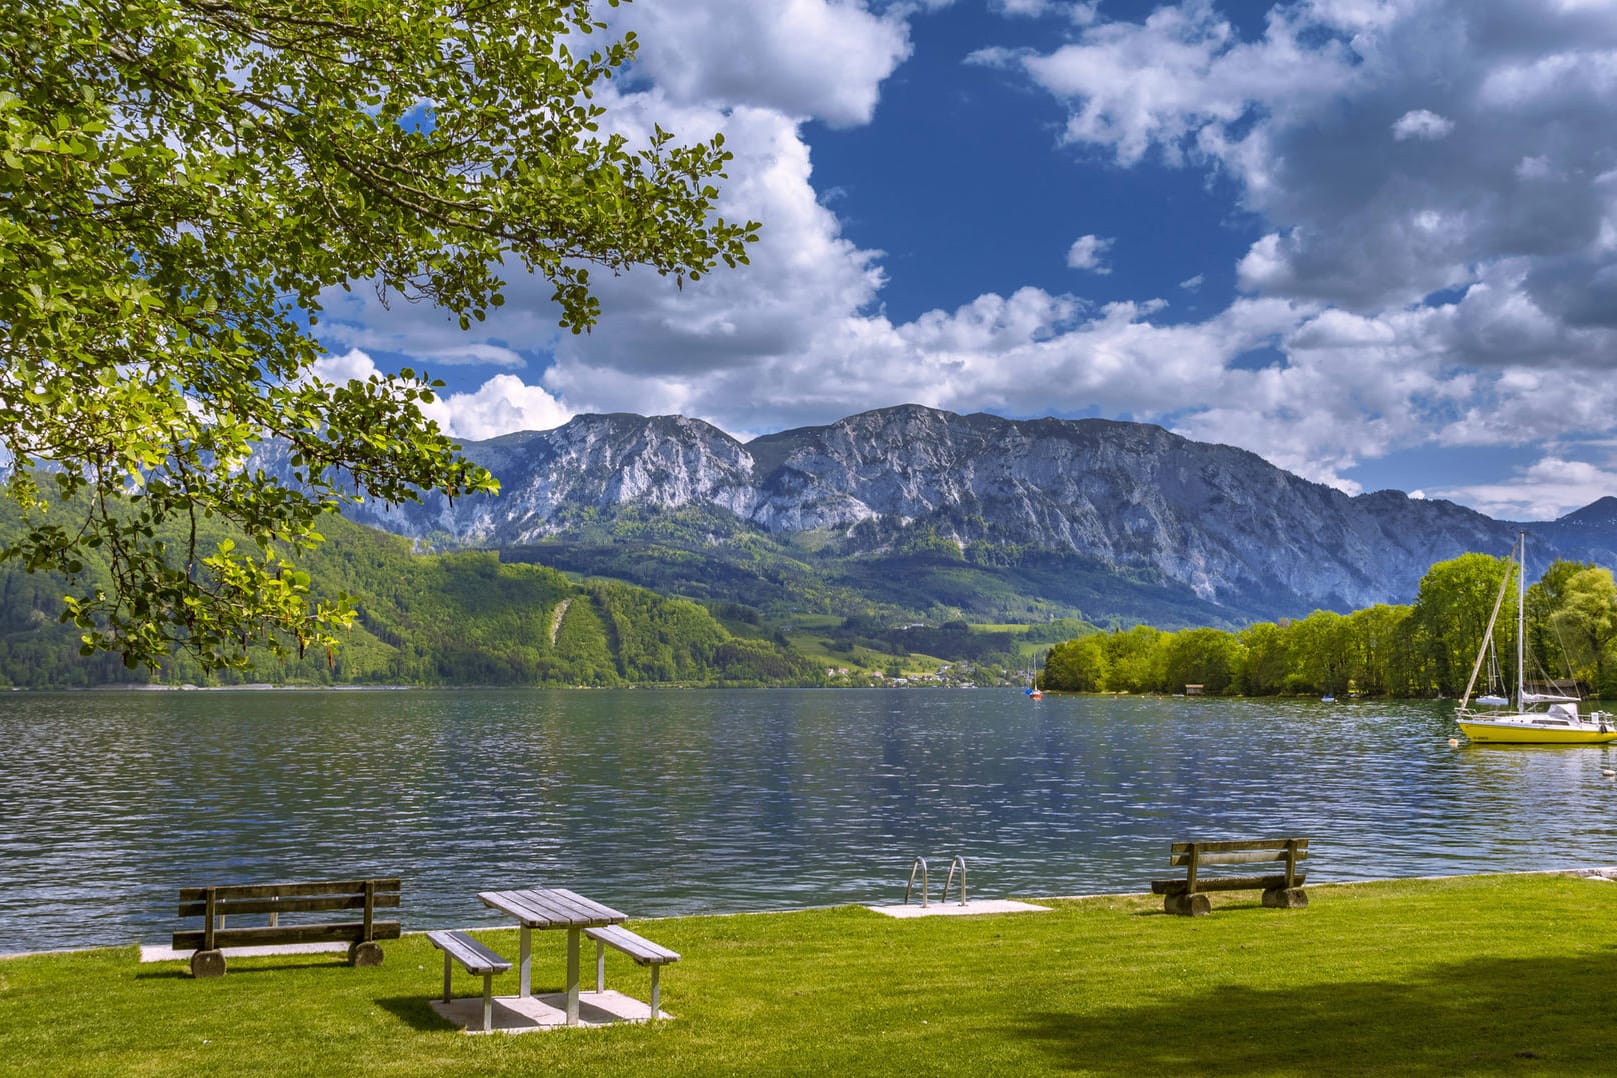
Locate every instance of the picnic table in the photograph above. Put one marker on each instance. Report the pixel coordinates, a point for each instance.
(551, 907)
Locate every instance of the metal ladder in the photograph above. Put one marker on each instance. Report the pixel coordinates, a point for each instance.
(919, 865)
(960, 863)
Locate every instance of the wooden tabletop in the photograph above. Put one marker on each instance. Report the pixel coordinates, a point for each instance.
(552, 907)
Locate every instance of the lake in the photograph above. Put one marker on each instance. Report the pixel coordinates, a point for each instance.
(667, 801)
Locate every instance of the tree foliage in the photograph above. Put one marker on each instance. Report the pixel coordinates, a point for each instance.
(1421, 650)
(182, 181)
(1455, 599)
(1585, 624)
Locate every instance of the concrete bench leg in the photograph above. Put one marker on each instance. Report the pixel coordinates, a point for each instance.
(525, 958)
(208, 963)
(488, 1002)
(656, 993)
(447, 971)
(572, 975)
(365, 953)
(600, 967)
(1286, 898)
(1187, 905)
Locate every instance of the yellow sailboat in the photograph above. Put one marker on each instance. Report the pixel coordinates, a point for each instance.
(1538, 718)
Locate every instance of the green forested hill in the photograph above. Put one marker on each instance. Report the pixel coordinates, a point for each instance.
(464, 618)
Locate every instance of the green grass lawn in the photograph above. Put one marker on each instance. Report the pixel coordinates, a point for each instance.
(1476, 975)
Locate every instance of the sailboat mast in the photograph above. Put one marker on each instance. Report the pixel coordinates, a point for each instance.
(1521, 622)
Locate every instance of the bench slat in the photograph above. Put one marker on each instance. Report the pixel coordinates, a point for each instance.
(1252, 857)
(642, 950)
(579, 907)
(268, 890)
(1226, 883)
(231, 907)
(344, 932)
(470, 953)
(1222, 845)
(461, 947)
(524, 907)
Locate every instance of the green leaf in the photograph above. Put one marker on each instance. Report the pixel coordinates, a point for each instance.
(168, 237)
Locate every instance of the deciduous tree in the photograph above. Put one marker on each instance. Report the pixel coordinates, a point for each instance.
(1451, 612)
(1587, 622)
(181, 180)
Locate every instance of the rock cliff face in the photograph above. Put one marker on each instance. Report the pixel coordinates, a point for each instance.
(1219, 522)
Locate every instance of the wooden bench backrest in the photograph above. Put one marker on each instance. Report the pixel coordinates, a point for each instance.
(1196, 855)
(1238, 851)
(215, 903)
(290, 897)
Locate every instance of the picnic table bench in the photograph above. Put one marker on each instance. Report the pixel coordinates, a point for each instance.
(1281, 890)
(215, 904)
(478, 959)
(643, 951)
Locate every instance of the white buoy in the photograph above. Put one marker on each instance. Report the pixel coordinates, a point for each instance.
(1608, 772)
(1453, 741)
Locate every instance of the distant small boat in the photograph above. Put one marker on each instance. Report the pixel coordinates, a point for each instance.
(1327, 699)
(1559, 723)
(1033, 687)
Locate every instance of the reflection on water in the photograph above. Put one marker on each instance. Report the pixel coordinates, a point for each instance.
(667, 801)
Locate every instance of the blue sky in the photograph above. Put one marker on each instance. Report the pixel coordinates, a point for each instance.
(1373, 241)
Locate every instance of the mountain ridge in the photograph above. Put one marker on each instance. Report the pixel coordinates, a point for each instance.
(1214, 524)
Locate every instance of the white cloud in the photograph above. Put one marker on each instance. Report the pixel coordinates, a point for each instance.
(503, 404)
(352, 365)
(1089, 253)
(1421, 124)
(1500, 162)
(1025, 8)
(1533, 168)
(1545, 490)
(1435, 259)
(804, 58)
(802, 274)
(524, 327)
(1159, 83)
(655, 343)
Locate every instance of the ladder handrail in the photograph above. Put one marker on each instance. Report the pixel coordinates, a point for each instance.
(920, 863)
(960, 863)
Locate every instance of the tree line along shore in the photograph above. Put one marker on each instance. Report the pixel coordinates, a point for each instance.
(1421, 650)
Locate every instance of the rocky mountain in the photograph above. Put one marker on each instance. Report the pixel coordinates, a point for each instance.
(1211, 527)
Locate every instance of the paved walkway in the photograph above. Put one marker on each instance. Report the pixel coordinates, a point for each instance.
(515, 1014)
(156, 952)
(955, 909)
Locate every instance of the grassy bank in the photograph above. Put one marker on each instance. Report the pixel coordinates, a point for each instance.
(1478, 975)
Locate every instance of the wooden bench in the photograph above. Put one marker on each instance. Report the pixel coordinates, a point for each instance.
(215, 904)
(643, 951)
(460, 947)
(1281, 890)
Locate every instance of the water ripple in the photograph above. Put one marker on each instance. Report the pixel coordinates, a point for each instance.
(681, 802)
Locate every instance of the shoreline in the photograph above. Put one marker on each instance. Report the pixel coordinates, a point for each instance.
(1607, 873)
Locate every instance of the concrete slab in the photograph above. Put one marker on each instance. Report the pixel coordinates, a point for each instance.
(955, 909)
(152, 952)
(533, 1014)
